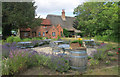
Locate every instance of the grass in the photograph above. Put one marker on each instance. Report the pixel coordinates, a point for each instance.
(0, 41)
(103, 71)
(86, 38)
(71, 39)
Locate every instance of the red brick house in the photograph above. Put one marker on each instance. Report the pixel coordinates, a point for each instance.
(44, 30)
(51, 27)
(66, 22)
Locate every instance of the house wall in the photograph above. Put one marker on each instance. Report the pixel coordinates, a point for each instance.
(53, 29)
(60, 29)
(42, 29)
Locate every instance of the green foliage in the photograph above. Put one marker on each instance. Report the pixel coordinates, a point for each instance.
(98, 43)
(66, 32)
(46, 37)
(93, 62)
(89, 57)
(14, 16)
(100, 54)
(13, 65)
(80, 42)
(10, 39)
(109, 46)
(75, 41)
(106, 38)
(40, 38)
(43, 38)
(26, 39)
(17, 62)
(113, 59)
(58, 37)
(16, 39)
(13, 39)
(107, 62)
(110, 54)
(54, 64)
(54, 39)
(98, 18)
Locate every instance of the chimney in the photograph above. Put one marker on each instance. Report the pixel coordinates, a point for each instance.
(63, 15)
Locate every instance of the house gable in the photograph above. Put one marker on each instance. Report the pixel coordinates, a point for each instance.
(53, 29)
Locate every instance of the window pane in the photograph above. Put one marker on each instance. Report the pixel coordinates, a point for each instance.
(43, 33)
(39, 34)
(53, 33)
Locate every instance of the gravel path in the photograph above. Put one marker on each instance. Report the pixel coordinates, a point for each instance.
(47, 50)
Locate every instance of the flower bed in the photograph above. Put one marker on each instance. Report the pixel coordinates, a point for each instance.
(19, 60)
(104, 56)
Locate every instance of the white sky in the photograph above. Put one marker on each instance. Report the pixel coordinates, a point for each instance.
(45, 7)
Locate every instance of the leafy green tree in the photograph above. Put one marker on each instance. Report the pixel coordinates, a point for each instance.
(66, 32)
(97, 18)
(17, 15)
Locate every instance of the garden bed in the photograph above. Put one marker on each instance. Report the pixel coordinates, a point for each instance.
(107, 59)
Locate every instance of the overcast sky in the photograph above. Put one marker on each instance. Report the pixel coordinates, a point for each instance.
(45, 7)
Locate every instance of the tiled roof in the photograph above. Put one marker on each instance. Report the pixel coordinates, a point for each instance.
(46, 22)
(25, 29)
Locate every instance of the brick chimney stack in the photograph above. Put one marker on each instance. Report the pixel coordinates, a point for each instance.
(63, 15)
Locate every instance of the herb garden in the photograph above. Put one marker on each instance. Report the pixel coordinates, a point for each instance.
(16, 60)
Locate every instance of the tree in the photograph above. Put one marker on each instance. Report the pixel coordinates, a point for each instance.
(18, 15)
(66, 32)
(97, 18)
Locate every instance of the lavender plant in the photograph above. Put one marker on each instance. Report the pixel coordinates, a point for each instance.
(55, 62)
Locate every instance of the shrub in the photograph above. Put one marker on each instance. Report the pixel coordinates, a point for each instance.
(66, 32)
(16, 39)
(60, 64)
(44, 38)
(14, 63)
(110, 54)
(100, 54)
(58, 37)
(107, 62)
(93, 62)
(40, 38)
(7, 47)
(10, 39)
(13, 39)
(26, 39)
(113, 59)
(54, 39)
(75, 41)
(98, 44)
(89, 57)
(18, 61)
